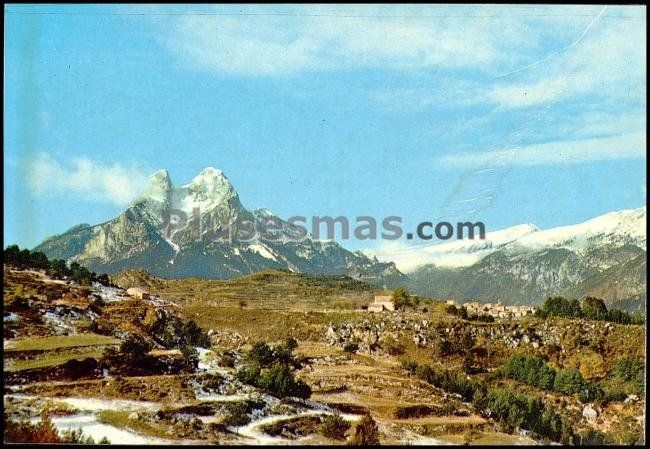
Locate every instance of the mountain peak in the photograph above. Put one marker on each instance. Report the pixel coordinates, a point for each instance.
(209, 175)
(157, 188)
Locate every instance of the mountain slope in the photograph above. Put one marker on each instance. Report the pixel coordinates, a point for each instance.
(604, 257)
(626, 227)
(141, 237)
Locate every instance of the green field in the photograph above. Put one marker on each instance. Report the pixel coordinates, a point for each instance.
(49, 359)
(55, 342)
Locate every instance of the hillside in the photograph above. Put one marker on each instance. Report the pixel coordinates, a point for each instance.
(275, 289)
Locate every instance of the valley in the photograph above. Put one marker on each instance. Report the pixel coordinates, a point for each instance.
(136, 371)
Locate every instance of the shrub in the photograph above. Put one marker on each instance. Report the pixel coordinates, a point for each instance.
(393, 347)
(351, 348)
(334, 427)
(280, 382)
(237, 415)
(192, 335)
(227, 360)
(409, 365)
(366, 433)
(530, 370)
(25, 432)
(262, 354)
(190, 358)
(569, 381)
(249, 373)
(291, 344)
(135, 348)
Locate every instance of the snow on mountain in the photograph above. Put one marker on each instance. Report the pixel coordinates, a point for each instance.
(621, 227)
(262, 250)
(625, 226)
(206, 191)
(142, 236)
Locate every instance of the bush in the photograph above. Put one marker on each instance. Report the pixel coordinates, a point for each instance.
(192, 335)
(522, 411)
(227, 360)
(237, 415)
(280, 382)
(249, 373)
(569, 381)
(334, 427)
(530, 370)
(25, 432)
(76, 437)
(351, 348)
(190, 357)
(136, 348)
(262, 354)
(366, 433)
(401, 298)
(291, 344)
(591, 437)
(409, 365)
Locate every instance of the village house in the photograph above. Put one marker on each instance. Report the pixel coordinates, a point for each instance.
(137, 293)
(382, 302)
(498, 310)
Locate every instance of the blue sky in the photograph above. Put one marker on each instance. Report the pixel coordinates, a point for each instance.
(505, 114)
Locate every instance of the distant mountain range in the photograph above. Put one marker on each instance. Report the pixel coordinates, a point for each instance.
(136, 239)
(604, 257)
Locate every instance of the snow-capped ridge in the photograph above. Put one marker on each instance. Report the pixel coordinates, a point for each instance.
(625, 226)
(618, 228)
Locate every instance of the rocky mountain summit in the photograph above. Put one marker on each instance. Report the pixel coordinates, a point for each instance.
(170, 231)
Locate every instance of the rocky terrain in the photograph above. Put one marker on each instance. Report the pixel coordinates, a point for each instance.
(603, 257)
(67, 350)
(137, 238)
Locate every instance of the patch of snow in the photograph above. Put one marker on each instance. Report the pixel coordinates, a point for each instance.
(56, 322)
(171, 243)
(222, 397)
(91, 426)
(98, 405)
(110, 293)
(262, 250)
(11, 318)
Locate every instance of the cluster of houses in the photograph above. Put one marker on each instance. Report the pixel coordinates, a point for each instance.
(496, 310)
(384, 303)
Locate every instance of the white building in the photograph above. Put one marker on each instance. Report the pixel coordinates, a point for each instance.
(382, 303)
(137, 293)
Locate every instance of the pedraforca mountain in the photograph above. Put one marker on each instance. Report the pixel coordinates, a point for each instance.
(137, 238)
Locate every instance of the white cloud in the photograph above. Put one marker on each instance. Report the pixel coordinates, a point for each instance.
(609, 62)
(626, 146)
(280, 40)
(111, 183)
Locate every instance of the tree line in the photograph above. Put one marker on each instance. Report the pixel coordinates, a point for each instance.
(511, 410)
(626, 377)
(56, 268)
(590, 308)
